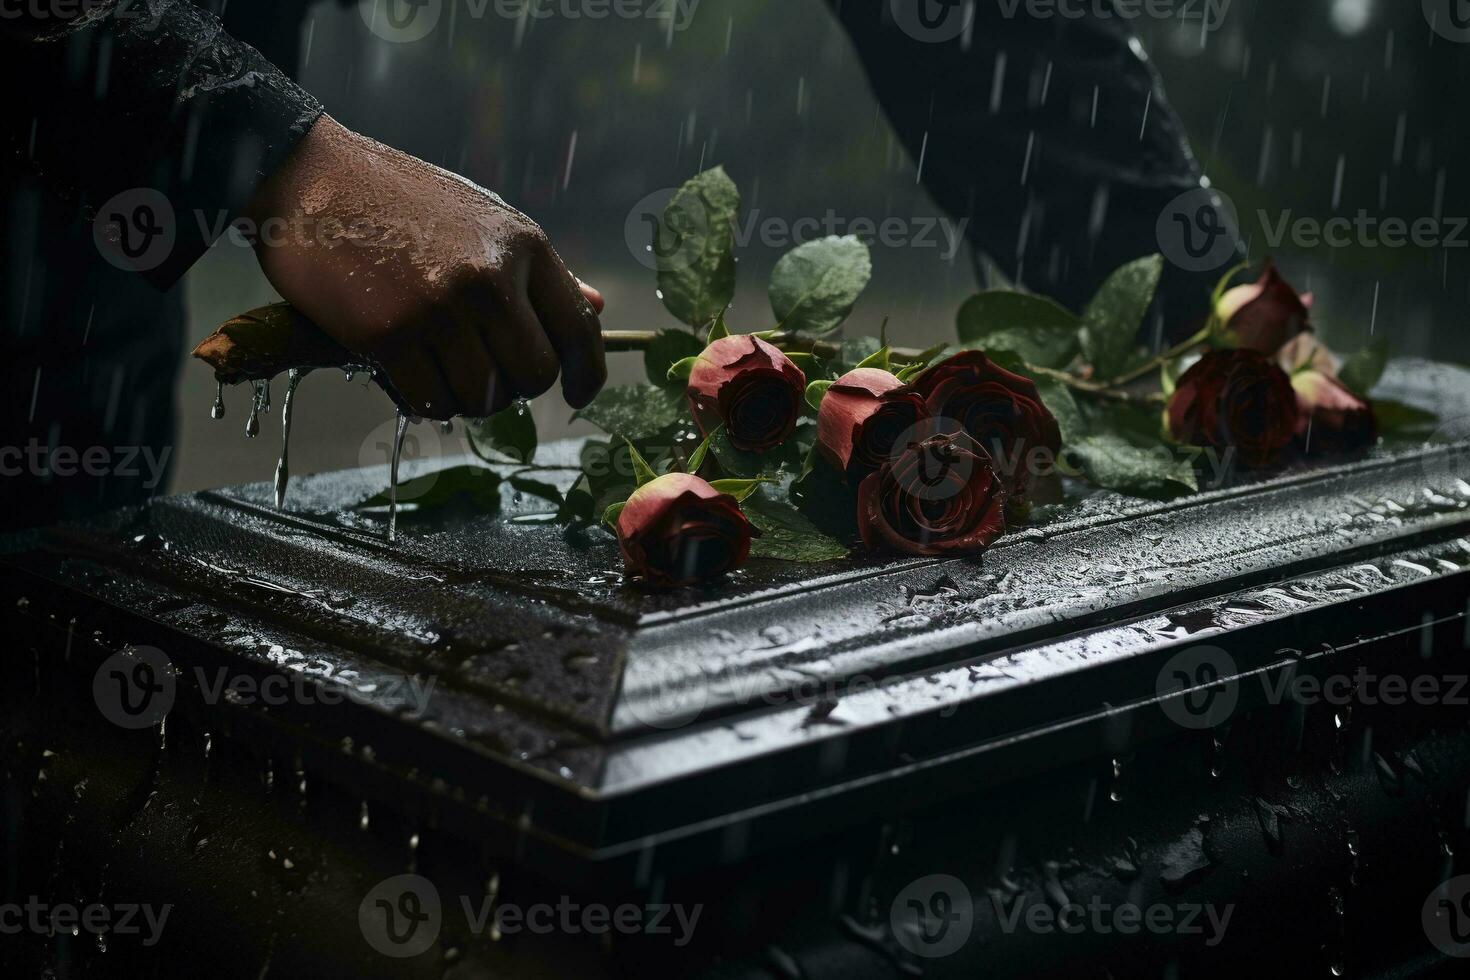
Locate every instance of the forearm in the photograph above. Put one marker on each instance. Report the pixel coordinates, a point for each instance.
(131, 95)
(1052, 135)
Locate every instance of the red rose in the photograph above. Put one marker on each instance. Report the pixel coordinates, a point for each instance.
(751, 388)
(863, 414)
(937, 495)
(1330, 418)
(678, 530)
(1266, 314)
(1236, 398)
(1003, 411)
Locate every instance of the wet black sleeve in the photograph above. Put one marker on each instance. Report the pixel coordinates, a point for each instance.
(131, 97)
(1051, 134)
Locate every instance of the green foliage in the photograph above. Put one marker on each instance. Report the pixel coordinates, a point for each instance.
(671, 349)
(1111, 322)
(508, 435)
(1137, 468)
(1362, 372)
(694, 248)
(738, 463)
(471, 487)
(635, 412)
(1036, 329)
(739, 489)
(815, 286)
(536, 488)
(1404, 422)
(786, 533)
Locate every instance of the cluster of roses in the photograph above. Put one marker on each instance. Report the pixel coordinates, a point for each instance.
(1274, 390)
(931, 463)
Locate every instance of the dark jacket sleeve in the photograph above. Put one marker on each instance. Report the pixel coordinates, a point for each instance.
(132, 97)
(1052, 135)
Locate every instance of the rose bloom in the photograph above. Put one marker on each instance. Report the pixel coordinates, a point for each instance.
(1235, 398)
(678, 530)
(1266, 314)
(751, 388)
(1003, 411)
(862, 416)
(937, 495)
(1330, 418)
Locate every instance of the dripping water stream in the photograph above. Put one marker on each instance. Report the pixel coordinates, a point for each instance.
(283, 465)
(393, 476)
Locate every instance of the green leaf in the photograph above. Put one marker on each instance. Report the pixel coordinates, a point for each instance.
(738, 463)
(694, 248)
(919, 364)
(806, 362)
(878, 359)
(576, 507)
(696, 458)
(853, 351)
(815, 286)
(470, 487)
(636, 412)
(1362, 371)
(510, 434)
(1035, 328)
(1112, 320)
(718, 330)
(536, 488)
(1155, 471)
(1402, 421)
(610, 516)
(671, 349)
(739, 489)
(786, 533)
(1058, 399)
(642, 472)
(816, 391)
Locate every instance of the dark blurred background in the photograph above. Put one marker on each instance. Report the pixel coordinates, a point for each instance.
(1319, 107)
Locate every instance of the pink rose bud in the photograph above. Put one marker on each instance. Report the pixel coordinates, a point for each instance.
(863, 415)
(1331, 419)
(678, 530)
(751, 388)
(1266, 314)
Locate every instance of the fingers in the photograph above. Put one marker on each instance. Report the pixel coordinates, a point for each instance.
(420, 383)
(594, 296)
(501, 313)
(568, 311)
(471, 372)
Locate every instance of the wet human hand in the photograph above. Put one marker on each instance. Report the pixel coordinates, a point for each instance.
(456, 295)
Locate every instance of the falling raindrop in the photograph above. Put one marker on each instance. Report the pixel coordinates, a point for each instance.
(217, 410)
